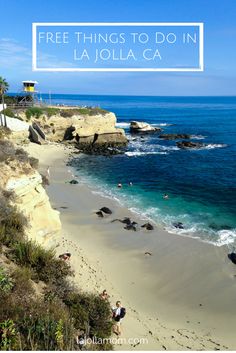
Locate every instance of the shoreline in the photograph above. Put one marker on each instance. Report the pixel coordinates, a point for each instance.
(180, 297)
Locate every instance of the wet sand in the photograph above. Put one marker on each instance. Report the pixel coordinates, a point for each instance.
(180, 297)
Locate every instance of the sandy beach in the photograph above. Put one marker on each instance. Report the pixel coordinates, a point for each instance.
(179, 296)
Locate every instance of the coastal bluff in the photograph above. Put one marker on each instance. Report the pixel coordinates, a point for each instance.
(82, 126)
(30, 198)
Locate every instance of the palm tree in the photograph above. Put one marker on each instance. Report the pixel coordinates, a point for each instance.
(3, 89)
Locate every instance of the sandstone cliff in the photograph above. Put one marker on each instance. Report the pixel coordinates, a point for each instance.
(31, 199)
(96, 126)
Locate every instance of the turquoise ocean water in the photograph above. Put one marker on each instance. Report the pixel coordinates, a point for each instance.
(200, 183)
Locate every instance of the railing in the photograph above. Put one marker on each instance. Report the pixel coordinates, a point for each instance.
(25, 105)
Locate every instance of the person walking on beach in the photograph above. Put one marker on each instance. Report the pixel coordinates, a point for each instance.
(118, 313)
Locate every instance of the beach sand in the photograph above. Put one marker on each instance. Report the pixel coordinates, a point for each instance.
(180, 297)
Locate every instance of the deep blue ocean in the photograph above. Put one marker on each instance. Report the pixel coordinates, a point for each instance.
(200, 183)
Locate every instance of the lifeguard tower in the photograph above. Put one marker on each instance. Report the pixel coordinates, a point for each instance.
(29, 91)
(29, 86)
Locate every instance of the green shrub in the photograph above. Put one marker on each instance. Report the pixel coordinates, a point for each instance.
(33, 112)
(46, 267)
(67, 113)
(8, 112)
(37, 325)
(51, 111)
(12, 225)
(6, 283)
(12, 222)
(9, 152)
(48, 327)
(8, 335)
(91, 314)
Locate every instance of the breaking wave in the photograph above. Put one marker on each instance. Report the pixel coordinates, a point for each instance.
(142, 153)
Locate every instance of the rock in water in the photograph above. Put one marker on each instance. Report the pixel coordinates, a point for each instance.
(189, 144)
(232, 257)
(174, 136)
(148, 226)
(105, 149)
(142, 127)
(178, 225)
(106, 210)
(73, 181)
(99, 213)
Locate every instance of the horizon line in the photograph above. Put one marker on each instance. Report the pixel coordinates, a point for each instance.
(125, 95)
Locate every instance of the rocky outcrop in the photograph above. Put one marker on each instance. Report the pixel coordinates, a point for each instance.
(189, 144)
(105, 149)
(174, 136)
(96, 129)
(142, 127)
(35, 136)
(31, 199)
(19, 129)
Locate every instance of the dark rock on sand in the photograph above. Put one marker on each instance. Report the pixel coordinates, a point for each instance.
(126, 220)
(174, 136)
(190, 144)
(106, 210)
(148, 226)
(178, 225)
(73, 181)
(131, 226)
(232, 257)
(99, 214)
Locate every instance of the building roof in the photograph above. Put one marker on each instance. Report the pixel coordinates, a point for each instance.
(29, 81)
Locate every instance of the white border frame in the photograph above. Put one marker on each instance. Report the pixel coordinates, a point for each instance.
(157, 24)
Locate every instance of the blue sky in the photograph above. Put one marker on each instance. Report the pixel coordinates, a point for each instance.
(218, 78)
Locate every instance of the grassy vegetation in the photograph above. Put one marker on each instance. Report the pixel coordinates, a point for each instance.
(47, 321)
(36, 112)
(33, 112)
(51, 111)
(67, 113)
(9, 153)
(40, 309)
(8, 112)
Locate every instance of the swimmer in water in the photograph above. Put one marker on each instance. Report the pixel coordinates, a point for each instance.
(165, 197)
(119, 185)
